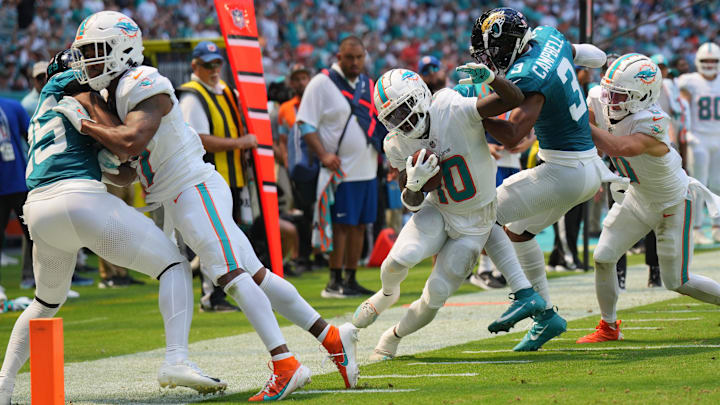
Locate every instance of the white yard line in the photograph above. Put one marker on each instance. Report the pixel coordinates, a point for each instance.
(600, 348)
(366, 377)
(241, 360)
(432, 363)
(663, 319)
(368, 391)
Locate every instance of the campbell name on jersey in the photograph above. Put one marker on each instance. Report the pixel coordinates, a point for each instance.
(547, 68)
(704, 104)
(172, 160)
(654, 180)
(58, 151)
(458, 138)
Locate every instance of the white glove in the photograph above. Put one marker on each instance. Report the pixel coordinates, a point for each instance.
(479, 73)
(419, 173)
(109, 163)
(73, 111)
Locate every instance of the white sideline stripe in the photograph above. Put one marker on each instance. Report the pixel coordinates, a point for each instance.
(554, 339)
(264, 152)
(583, 349)
(372, 391)
(473, 362)
(677, 311)
(663, 319)
(259, 115)
(269, 189)
(622, 328)
(251, 79)
(690, 304)
(418, 375)
(250, 43)
(87, 320)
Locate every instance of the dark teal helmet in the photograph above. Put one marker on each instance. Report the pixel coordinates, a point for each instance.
(498, 37)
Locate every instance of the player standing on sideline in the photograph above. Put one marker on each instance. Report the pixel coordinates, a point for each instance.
(454, 221)
(702, 90)
(540, 63)
(660, 193)
(61, 211)
(196, 199)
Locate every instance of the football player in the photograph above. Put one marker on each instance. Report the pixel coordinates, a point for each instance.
(63, 215)
(452, 221)
(660, 194)
(540, 62)
(196, 200)
(702, 91)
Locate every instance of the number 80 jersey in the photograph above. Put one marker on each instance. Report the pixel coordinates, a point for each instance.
(547, 68)
(457, 137)
(705, 103)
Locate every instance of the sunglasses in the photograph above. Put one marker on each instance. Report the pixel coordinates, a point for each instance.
(429, 69)
(212, 65)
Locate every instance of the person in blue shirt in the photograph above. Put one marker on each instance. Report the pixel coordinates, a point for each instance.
(541, 63)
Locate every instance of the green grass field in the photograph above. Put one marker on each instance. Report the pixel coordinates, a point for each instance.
(110, 322)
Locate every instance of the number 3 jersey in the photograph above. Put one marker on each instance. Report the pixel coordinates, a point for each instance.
(173, 159)
(457, 137)
(547, 68)
(705, 103)
(657, 181)
(57, 150)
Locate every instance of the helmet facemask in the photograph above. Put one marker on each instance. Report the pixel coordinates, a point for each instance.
(96, 55)
(708, 66)
(407, 115)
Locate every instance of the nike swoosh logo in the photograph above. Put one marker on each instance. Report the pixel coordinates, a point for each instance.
(137, 75)
(504, 318)
(536, 336)
(657, 119)
(667, 215)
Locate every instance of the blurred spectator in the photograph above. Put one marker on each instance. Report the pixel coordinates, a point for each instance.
(432, 73)
(39, 77)
(210, 107)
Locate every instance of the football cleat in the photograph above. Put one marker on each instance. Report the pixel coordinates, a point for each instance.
(288, 375)
(369, 310)
(386, 348)
(547, 325)
(526, 303)
(188, 374)
(604, 333)
(341, 343)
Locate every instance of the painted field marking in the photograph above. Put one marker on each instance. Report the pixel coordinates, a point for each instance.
(691, 304)
(469, 304)
(418, 375)
(583, 349)
(371, 391)
(677, 311)
(622, 328)
(473, 362)
(104, 318)
(663, 319)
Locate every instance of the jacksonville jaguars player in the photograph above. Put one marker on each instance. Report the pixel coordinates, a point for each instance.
(453, 221)
(195, 198)
(540, 62)
(61, 211)
(635, 135)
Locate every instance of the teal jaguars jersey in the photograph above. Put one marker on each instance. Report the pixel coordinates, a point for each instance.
(57, 150)
(547, 68)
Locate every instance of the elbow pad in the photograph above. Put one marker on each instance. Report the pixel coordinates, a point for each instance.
(412, 208)
(589, 55)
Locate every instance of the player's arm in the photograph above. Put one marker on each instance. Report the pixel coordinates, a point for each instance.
(213, 143)
(507, 96)
(125, 176)
(588, 55)
(684, 93)
(513, 131)
(140, 126)
(98, 110)
(411, 199)
(627, 146)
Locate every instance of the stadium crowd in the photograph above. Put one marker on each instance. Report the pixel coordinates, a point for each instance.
(396, 32)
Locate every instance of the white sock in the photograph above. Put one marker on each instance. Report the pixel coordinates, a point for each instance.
(500, 251)
(256, 307)
(18, 349)
(392, 274)
(485, 264)
(321, 337)
(175, 300)
(418, 315)
(282, 356)
(607, 290)
(701, 288)
(532, 261)
(285, 299)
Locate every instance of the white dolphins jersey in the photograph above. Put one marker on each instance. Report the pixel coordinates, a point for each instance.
(173, 160)
(457, 137)
(657, 181)
(705, 103)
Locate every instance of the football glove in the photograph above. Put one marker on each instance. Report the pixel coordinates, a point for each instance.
(479, 73)
(73, 111)
(419, 173)
(109, 163)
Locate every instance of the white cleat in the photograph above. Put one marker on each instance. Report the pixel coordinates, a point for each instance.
(5, 397)
(349, 339)
(369, 310)
(700, 238)
(386, 348)
(188, 374)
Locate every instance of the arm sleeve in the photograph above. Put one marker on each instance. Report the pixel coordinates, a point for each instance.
(194, 113)
(589, 55)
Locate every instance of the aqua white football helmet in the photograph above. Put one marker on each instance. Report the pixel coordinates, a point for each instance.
(117, 44)
(707, 59)
(631, 84)
(402, 100)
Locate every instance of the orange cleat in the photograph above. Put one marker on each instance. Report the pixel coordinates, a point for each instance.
(340, 343)
(604, 333)
(288, 375)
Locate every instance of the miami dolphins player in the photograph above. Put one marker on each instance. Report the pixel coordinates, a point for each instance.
(540, 62)
(195, 198)
(635, 135)
(63, 215)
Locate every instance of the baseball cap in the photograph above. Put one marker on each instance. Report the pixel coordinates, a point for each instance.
(207, 51)
(299, 68)
(659, 59)
(39, 68)
(427, 62)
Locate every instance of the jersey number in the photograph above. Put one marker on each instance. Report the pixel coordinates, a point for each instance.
(709, 108)
(452, 168)
(564, 70)
(53, 129)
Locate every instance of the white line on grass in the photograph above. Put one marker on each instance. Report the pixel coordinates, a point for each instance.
(371, 391)
(662, 319)
(364, 377)
(583, 349)
(86, 321)
(472, 362)
(689, 304)
(622, 328)
(677, 311)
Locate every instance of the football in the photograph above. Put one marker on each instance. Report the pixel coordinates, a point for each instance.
(435, 181)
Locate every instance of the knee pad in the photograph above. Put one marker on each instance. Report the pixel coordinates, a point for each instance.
(459, 261)
(437, 290)
(605, 254)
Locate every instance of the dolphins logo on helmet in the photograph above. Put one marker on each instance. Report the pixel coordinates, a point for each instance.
(127, 26)
(647, 74)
